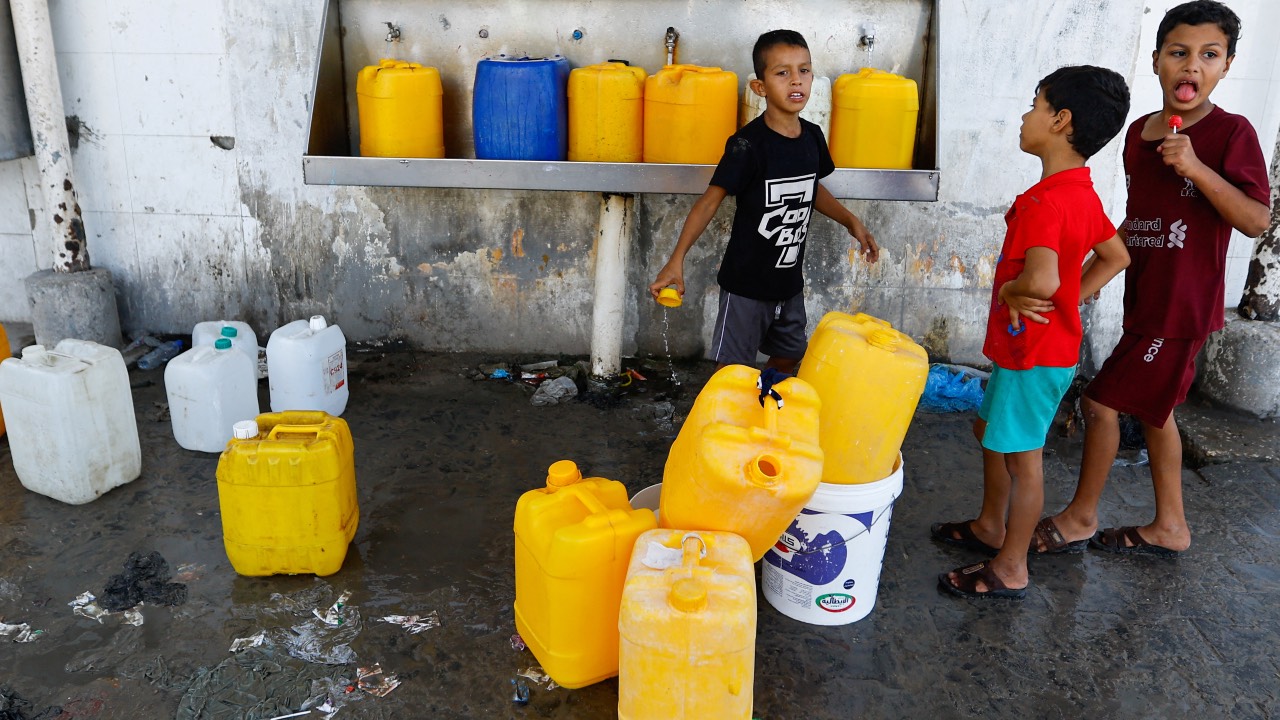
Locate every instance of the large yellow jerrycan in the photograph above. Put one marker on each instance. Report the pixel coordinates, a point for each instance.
(573, 542)
(873, 120)
(689, 113)
(287, 491)
(400, 105)
(742, 466)
(870, 378)
(606, 113)
(688, 627)
(4, 353)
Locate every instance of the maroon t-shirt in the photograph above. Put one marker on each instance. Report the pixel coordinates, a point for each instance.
(1177, 241)
(1062, 213)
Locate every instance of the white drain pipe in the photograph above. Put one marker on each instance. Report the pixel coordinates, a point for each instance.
(609, 311)
(33, 34)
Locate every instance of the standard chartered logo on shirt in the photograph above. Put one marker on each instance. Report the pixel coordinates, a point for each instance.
(1177, 233)
(787, 223)
(1150, 233)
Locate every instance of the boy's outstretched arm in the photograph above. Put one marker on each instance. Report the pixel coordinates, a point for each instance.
(1028, 294)
(1243, 212)
(1109, 258)
(827, 204)
(699, 217)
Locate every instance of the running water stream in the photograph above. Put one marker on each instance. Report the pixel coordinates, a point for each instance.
(666, 347)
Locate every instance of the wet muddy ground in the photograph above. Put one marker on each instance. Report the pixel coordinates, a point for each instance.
(441, 458)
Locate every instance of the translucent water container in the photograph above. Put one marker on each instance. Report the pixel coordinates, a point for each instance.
(573, 541)
(606, 113)
(870, 378)
(239, 333)
(688, 628)
(210, 388)
(816, 111)
(287, 493)
(5, 353)
(400, 105)
(72, 432)
(307, 367)
(519, 108)
(742, 466)
(873, 120)
(689, 113)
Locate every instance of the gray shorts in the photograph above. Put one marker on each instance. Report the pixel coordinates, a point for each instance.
(745, 327)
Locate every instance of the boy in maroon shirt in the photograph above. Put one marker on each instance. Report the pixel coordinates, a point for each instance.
(1188, 187)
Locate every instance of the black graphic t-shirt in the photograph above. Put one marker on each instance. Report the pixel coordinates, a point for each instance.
(775, 179)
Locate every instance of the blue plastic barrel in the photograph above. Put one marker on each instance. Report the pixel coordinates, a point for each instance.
(519, 108)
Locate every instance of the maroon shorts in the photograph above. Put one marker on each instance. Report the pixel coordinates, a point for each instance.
(1146, 377)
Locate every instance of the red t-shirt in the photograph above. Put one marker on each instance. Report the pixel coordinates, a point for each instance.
(1061, 213)
(1177, 241)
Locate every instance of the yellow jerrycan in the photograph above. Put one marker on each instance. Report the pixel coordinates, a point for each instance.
(870, 378)
(689, 113)
(573, 541)
(873, 120)
(4, 353)
(287, 491)
(742, 466)
(606, 113)
(688, 627)
(400, 105)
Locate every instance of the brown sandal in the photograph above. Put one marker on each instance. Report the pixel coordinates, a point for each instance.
(1128, 541)
(966, 585)
(1048, 535)
(960, 534)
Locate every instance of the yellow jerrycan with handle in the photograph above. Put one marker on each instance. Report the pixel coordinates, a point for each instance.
(870, 378)
(573, 542)
(287, 491)
(688, 628)
(401, 110)
(740, 464)
(606, 113)
(689, 113)
(873, 120)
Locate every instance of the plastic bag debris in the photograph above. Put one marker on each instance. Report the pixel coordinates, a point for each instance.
(371, 680)
(86, 605)
(554, 391)
(145, 579)
(14, 707)
(517, 643)
(247, 642)
(21, 632)
(952, 388)
(333, 616)
(520, 691)
(414, 624)
(538, 677)
(1140, 459)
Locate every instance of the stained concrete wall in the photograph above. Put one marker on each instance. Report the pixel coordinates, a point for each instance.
(191, 121)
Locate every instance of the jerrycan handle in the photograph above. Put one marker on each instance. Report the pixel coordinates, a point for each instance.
(688, 594)
(293, 432)
(692, 556)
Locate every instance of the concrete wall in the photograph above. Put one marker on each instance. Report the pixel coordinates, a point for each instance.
(192, 119)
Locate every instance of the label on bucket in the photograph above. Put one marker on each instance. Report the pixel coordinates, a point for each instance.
(835, 602)
(335, 372)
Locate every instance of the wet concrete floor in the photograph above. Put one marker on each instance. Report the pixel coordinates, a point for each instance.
(441, 459)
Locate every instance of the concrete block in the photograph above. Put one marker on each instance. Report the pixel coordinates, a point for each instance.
(1239, 366)
(79, 305)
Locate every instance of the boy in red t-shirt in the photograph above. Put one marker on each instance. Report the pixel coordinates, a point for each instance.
(1188, 187)
(1039, 277)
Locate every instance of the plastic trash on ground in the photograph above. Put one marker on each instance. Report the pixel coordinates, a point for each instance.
(21, 632)
(414, 624)
(554, 391)
(86, 605)
(952, 388)
(371, 680)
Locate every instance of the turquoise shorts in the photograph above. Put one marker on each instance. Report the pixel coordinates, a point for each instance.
(1019, 406)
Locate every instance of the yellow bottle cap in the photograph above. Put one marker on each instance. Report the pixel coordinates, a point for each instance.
(562, 473)
(688, 595)
(668, 297)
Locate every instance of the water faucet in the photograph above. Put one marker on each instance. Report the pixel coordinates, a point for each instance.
(868, 39)
(672, 38)
(393, 32)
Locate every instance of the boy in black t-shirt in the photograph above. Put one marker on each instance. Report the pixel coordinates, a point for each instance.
(772, 165)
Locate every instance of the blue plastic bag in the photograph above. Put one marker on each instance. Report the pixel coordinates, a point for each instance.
(952, 388)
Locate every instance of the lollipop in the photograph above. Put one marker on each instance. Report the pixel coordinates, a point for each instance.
(1175, 122)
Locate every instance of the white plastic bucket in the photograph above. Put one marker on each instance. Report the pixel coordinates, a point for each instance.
(210, 389)
(647, 499)
(69, 410)
(825, 569)
(307, 367)
(244, 339)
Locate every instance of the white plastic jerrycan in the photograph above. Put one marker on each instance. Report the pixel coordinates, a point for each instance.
(307, 367)
(239, 333)
(210, 389)
(69, 412)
